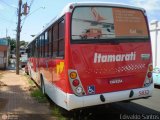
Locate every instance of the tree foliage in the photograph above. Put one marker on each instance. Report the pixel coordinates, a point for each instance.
(23, 43)
(13, 43)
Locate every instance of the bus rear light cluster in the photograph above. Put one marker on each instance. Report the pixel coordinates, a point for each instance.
(149, 79)
(75, 83)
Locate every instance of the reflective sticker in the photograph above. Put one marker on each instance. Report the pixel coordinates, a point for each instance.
(145, 56)
(60, 67)
(143, 92)
(91, 89)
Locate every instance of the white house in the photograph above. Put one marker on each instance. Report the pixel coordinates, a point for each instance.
(155, 39)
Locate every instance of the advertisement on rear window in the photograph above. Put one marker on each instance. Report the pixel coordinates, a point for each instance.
(104, 22)
(129, 22)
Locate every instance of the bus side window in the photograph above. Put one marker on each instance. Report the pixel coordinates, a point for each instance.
(38, 47)
(43, 46)
(34, 48)
(61, 38)
(55, 40)
(50, 43)
(46, 44)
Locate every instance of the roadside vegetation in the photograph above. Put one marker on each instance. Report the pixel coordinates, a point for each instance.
(57, 111)
(37, 94)
(35, 91)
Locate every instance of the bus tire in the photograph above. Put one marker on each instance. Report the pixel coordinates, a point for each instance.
(42, 85)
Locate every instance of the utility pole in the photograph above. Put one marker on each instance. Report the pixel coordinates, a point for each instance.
(6, 32)
(18, 36)
(155, 31)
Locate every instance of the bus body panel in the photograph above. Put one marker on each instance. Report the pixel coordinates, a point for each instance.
(53, 71)
(91, 100)
(90, 61)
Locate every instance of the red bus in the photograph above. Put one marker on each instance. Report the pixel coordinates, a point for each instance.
(76, 72)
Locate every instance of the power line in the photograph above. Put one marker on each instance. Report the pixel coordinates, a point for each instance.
(31, 3)
(33, 12)
(8, 4)
(4, 19)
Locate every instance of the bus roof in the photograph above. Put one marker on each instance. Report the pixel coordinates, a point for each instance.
(109, 4)
(75, 4)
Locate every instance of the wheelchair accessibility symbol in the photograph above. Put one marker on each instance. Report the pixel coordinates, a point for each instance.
(91, 89)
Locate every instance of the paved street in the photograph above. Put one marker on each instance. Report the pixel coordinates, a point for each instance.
(151, 105)
(145, 108)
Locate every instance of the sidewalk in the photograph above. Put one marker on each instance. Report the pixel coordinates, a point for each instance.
(15, 99)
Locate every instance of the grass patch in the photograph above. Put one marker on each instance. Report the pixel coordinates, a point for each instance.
(35, 91)
(26, 75)
(57, 112)
(29, 80)
(38, 95)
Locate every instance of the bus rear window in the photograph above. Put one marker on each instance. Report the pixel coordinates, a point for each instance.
(106, 23)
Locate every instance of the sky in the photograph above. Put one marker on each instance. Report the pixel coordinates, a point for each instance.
(43, 11)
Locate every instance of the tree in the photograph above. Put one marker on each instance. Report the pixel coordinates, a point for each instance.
(23, 43)
(13, 43)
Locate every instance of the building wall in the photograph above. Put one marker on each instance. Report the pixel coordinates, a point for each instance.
(155, 39)
(4, 50)
(2, 57)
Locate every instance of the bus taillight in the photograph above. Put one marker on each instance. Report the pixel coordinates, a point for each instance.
(149, 78)
(75, 83)
(73, 75)
(79, 90)
(150, 68)
(149, 74)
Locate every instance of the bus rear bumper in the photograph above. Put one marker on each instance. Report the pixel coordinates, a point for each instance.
(74, 101)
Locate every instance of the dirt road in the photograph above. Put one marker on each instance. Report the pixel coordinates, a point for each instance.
(16, 102)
